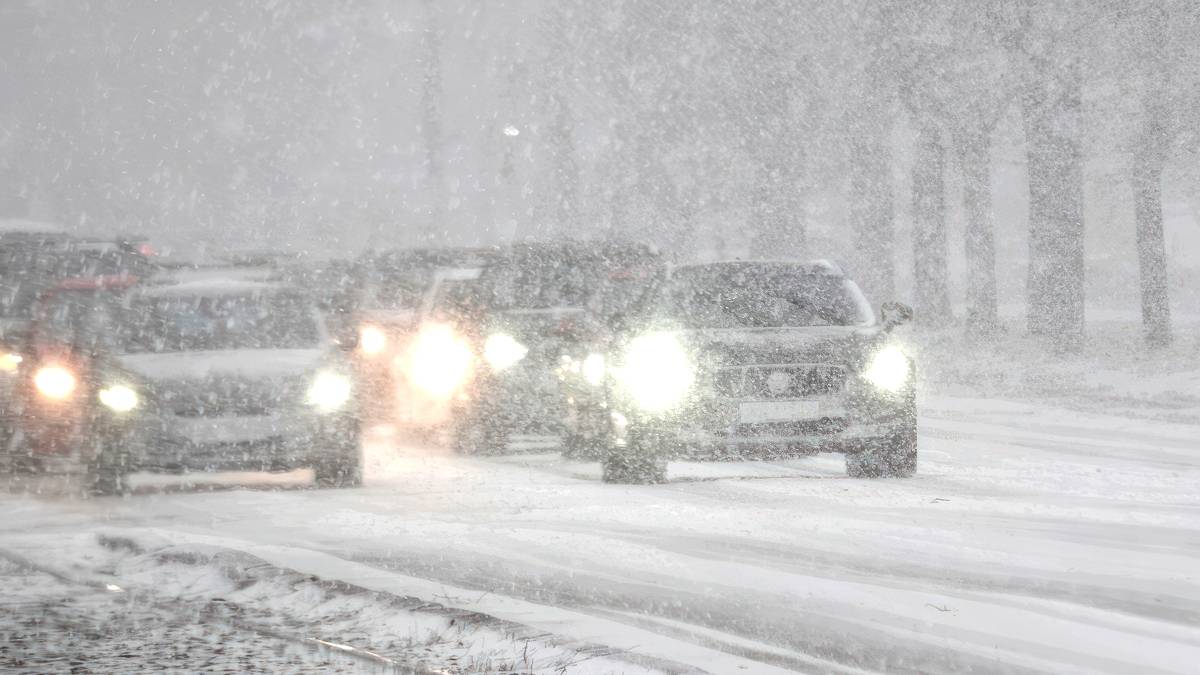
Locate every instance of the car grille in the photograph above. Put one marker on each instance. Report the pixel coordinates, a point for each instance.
(228, 398)
(782, 381)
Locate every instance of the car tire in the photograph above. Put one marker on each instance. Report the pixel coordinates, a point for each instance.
(641, 461)
(894, 456)
(108, 470)
(583, 447)
(342, 468)
(475, 436)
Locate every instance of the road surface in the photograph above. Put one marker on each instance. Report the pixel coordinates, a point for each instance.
(1034, 539)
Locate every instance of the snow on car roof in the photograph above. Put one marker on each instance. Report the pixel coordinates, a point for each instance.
(211, 287)
(817, 266)
(23, 226)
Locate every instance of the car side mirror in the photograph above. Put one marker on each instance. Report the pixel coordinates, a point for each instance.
(892, 314)
(346, 338)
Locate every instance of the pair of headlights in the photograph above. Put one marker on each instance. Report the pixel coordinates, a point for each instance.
(58, 383)
(658, 371)
(328, 392)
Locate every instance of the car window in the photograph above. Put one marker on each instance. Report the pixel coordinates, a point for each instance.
(760, 297)
(206, 323)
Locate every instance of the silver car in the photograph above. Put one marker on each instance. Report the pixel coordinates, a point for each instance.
(207, 375)
(760, 359)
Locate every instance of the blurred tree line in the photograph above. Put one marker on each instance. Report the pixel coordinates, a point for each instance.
(712, 127)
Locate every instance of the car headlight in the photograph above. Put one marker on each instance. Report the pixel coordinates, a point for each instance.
(439, 361)
(55, 382)
(10, 361)
(502, 351)
(118, 398)
(888, 369)
(329, 391)
(371, 340)
(657, 371)
(593, 369)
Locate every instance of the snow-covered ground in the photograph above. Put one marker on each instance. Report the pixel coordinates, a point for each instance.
(1042, 534)
(1034, 539)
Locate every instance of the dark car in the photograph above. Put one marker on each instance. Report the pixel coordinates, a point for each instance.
(535, 310)
(738, 359)
(396, 286)
(209, 374)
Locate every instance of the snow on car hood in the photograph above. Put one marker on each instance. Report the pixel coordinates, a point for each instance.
(244, 363)
(782, 345)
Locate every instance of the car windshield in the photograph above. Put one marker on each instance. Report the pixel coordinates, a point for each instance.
(760, 297)
(542, 283)
(79, 317)
(185, 323)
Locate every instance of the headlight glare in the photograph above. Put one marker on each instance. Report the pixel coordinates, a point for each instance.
(55, 382)
(657, 372)
(502, 351)
(371, 340)
(9, 362)
(329, 391)
(118, 398)
(593, 369)
(888, 369)
(439, 361)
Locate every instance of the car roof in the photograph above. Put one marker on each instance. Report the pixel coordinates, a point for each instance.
(19, 226)
(166, 288)
(821, 267)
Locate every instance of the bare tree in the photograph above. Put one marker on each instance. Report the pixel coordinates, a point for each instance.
(1043, 45)
(431, 125)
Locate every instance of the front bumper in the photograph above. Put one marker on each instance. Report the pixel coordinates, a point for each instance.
(262, 443)
(713, 427)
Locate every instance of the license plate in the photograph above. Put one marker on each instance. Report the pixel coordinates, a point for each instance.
(755, 412)
(229, 429)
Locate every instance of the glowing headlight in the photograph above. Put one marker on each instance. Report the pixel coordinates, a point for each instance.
(440, 360)
(888, 369)
(54, 382)
(593, 369)
(502, 351)
(657, 372)
(118, 398)
(329, 391)
(371, 339)
(9, 362)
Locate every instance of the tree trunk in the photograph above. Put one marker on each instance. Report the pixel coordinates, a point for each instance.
(565, 168)
(1148, 161)
(980, 246)
(931, 297)
(431, 129)
(1051, 109)
(871, 214)
(777, 215)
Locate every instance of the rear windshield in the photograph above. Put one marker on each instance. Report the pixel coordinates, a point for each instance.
(208, 323)
(760, 297)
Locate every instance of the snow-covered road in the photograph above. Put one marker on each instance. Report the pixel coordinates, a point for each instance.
(1033, 539)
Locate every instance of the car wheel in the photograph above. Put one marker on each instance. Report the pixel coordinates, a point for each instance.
(476, 436)
(894, 456)
(641, 461)
(582, 446)
(108, 470)
(342, 468)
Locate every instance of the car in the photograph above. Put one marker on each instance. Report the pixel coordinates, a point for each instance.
(760, 359)
(396, 287)
(497, 356)
(201, 375)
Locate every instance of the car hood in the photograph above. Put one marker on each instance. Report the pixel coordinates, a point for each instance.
(808, 344)
(237, 363)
